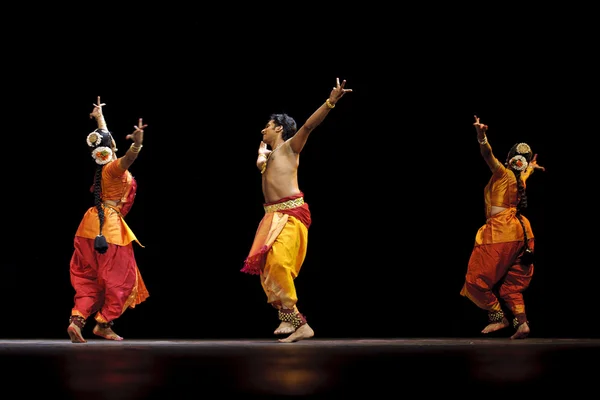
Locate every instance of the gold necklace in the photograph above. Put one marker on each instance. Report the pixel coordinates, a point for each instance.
(264, 167)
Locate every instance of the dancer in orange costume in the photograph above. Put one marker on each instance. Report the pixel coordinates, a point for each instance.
(103, 269)
(501, 264)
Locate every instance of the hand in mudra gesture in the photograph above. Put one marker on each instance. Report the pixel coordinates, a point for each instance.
(338, 91)
(138, 134)
(535, 165)
(263, 150)
(481, 128)
(97, 111)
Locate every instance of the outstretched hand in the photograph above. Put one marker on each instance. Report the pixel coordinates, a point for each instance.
(481, 128)
(338, 91)
(138, 134)
(534, 163)
(97, 111)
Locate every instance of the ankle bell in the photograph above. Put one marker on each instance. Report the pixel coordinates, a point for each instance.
(77, 321)
(293, 317)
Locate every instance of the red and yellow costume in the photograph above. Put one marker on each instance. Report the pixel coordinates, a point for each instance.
(494, 269)
(107, 284)
(279, 249)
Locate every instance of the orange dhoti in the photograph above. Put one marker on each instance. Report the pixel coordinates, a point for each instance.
(495, 271)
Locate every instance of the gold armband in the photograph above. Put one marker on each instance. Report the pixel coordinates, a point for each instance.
(482, 141)
(329, 104)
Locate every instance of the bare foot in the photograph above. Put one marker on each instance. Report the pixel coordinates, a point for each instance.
(75, 334)
(303, 332)
(496, 326)
(522, 331)
(106, 333)
(284, 328)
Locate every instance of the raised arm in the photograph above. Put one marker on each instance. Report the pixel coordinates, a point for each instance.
(97, 113)
(132, 153)
(298, 141)
(484, 146)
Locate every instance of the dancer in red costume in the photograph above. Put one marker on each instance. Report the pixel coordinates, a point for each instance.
(104, 272)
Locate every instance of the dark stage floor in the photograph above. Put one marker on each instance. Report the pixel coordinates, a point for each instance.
(189, 369)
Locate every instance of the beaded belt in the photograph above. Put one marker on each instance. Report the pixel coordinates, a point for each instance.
(286, 205)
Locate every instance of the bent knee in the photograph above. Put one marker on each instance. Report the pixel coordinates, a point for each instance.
(476, 285)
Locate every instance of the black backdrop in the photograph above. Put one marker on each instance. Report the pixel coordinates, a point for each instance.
(393, 177)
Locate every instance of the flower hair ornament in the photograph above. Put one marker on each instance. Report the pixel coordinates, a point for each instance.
(102, 155)
(518, 162)
(523, 148)
(94, 139)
